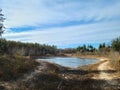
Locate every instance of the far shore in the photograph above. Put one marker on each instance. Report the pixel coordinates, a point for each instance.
(101, 58)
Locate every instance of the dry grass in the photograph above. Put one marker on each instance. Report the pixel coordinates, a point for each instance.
(51, 82)
(12, 67)
(115, 59)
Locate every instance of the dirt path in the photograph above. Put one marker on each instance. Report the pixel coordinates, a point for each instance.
(105, 68)
(107, 74)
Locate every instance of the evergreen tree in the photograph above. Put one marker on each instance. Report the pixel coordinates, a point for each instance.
(1, 23)
(116, 44)
(100, 46)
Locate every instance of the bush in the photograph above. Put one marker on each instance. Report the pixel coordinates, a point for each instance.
(115, 59)
(116, 44)
(12, 67)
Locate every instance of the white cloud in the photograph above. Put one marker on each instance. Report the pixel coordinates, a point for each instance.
(104, 14)
(36, 12)
(90, 33)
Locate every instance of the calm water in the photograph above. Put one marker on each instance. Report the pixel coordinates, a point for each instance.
(69, 61)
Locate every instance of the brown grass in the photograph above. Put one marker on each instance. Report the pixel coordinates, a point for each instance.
(51, 82)
(115, 59)
(12, 67)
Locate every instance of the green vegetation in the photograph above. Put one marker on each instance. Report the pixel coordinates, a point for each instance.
(1, 23)
(89, 50)
(116, 44)
(85, 48)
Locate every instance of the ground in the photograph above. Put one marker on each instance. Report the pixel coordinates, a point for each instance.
(48, 76)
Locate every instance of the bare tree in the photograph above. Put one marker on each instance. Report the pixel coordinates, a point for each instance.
(1, 23)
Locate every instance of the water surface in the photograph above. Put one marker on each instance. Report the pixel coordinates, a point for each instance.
(69, 61)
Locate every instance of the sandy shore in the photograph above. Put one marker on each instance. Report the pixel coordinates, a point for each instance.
(101, 58)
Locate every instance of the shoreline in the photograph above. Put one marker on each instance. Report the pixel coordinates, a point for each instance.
(101, 58)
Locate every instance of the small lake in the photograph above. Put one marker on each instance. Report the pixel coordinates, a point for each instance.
(69, 61)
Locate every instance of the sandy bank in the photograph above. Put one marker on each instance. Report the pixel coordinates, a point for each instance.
(101, 58)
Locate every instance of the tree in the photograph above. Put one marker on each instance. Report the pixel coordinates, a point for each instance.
(102, 46)
(90, 48)
(116, 44)
(1, 23)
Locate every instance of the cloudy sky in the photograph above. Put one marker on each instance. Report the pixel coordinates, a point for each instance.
(65, 23)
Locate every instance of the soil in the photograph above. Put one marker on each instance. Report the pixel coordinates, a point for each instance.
(49, 76)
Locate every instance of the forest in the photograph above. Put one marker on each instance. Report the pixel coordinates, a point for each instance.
(26, 49)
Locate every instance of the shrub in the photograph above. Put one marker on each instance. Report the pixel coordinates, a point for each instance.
(115, 59)
(12, 67)
(116, 44)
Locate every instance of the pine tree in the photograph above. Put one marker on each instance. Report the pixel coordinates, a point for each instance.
(1, 23)
(116, 44)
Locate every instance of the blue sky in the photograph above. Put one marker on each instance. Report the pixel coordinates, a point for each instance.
(64, 23)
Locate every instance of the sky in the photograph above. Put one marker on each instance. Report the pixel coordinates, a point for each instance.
(64, 23)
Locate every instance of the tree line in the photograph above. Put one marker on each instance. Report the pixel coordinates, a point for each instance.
(90, 49)
(35, 49)
(25, 49)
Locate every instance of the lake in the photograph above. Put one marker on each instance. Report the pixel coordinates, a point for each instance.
(69, 61)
